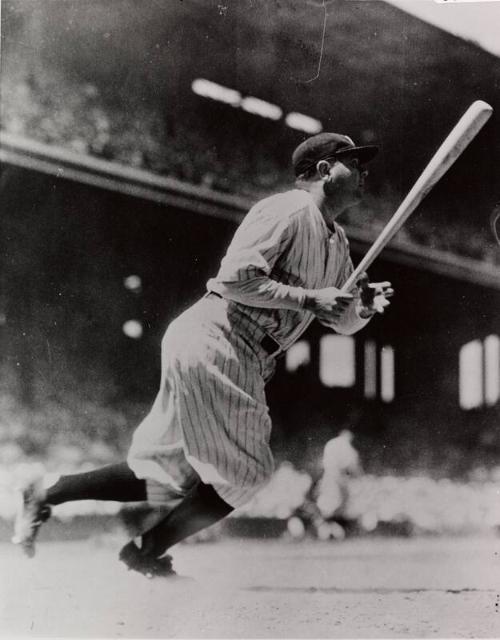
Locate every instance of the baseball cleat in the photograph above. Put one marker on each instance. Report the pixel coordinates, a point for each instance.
(149, 566)
(33, 511)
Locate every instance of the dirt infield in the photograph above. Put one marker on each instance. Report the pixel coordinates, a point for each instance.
(362, 588)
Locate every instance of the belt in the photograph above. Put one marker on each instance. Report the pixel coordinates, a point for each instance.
(271, 346)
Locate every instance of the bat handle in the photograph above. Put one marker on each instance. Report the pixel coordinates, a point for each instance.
(358, 271)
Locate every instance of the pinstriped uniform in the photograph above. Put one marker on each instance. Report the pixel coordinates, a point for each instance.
(211, 405)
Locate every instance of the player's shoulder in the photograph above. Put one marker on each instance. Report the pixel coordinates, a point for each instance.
(341, 234)
(333, 443)
(284, 204)
(294, 198)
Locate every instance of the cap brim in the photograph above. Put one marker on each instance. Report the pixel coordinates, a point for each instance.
(365, 154)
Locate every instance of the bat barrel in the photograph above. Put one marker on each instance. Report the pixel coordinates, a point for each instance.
(458, 139)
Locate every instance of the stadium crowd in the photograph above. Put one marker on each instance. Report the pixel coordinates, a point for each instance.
(76, 116)
(387, 504)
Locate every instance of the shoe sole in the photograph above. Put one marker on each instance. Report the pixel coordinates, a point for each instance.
(26, 541)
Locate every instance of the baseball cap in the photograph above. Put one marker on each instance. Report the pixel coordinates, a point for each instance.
(328, 145)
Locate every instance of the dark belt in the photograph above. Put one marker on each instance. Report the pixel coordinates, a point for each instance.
(269, 344)
(272, 347)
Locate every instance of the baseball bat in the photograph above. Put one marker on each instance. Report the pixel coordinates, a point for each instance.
(460, 136)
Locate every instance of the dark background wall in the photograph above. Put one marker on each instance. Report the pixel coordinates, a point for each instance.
(69, 249)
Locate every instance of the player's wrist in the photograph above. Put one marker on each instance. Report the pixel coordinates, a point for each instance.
(365, 312)
(309, 302)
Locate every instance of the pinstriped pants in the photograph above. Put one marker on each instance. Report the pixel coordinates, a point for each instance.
(210, 418)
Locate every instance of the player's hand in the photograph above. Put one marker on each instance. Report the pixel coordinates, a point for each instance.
(374, 296)
(328, 304)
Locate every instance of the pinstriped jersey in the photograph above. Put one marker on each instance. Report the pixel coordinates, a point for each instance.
(282, 247)
(214, 366)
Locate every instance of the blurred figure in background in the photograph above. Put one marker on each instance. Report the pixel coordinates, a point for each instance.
(341, 463)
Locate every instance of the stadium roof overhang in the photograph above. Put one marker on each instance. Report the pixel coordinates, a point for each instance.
(138, 183)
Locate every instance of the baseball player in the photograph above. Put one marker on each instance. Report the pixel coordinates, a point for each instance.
(341, 463)
(203, 449)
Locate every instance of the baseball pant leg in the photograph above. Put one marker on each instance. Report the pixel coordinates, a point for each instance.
(199, 509)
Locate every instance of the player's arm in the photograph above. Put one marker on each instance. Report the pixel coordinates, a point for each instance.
(350, 313)
(367, 299)
(244, 275)
(329, 305)
(245, 272)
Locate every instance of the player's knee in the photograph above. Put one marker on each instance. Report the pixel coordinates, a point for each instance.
(263, 476)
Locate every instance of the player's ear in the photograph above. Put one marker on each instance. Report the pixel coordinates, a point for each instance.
(323, 169)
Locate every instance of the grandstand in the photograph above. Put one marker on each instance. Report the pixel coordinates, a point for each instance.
(126, 90)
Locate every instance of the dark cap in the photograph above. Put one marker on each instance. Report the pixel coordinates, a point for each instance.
(325, 146)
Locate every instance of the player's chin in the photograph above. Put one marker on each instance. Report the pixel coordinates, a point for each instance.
(356, 198)
(360, 191)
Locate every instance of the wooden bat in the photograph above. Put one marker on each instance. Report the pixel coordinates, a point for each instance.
(460, 136)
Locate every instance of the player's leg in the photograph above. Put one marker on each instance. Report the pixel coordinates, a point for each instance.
(197, 393)
(112, 482)
(190, 507)
(199, 509)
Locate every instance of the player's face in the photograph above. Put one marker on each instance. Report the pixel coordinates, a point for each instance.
(346, 180)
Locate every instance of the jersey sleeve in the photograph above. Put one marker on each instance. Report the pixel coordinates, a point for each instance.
(244, 275)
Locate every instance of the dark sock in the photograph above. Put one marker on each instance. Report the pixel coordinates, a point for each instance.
(200, 508)
(113, 482)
